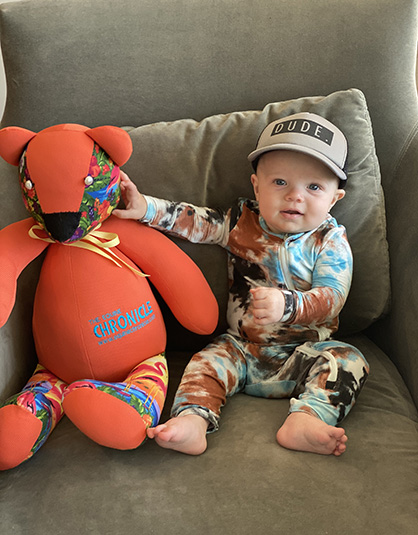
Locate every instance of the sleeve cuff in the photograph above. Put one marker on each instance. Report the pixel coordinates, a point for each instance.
(289, 306)
(151, 210)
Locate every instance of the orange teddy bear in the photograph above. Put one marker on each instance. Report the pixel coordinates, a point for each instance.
(99, 333)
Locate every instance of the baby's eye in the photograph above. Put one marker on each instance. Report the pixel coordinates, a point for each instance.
(280, 182)
(314, 187)
(88, 181)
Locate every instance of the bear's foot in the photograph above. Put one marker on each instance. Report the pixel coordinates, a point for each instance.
(117, 415)
(107, 420)
(28, 418)
(19, 432)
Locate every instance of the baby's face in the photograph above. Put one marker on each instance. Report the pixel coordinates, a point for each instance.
(295, 191)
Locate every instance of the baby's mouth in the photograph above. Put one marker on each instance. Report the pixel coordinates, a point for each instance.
(291, 212)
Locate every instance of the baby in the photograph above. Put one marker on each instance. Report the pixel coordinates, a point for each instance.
(290, 269)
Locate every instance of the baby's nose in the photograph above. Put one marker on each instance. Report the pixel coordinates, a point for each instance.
(295, 194)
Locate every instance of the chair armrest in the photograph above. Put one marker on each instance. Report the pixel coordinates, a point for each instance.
(397, 334)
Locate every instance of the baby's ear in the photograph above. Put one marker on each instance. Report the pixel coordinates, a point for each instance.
(339, 194)
(13, 140)
(114, 141)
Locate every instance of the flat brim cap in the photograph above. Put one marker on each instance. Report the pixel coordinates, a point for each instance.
(308, 133)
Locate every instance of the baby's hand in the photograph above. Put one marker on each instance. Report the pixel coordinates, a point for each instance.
(267, 305)
(135, 203)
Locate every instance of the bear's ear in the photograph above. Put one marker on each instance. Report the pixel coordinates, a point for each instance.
(13, 140)
(113, 140)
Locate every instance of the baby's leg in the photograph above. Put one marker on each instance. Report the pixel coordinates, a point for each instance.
(186, 434)
(331, 388)
(212, 374)
(303, 432)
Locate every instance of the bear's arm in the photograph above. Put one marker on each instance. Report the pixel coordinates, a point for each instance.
(177, 278)
(17, 250)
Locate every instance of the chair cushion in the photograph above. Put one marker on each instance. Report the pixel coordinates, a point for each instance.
(205, 163)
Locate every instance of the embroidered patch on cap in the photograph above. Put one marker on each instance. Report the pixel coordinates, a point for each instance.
(310, 128)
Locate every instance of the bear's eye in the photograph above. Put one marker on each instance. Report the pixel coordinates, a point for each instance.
(28, 184)
(88, 181)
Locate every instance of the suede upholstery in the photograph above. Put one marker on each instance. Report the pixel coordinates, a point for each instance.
(154, 65)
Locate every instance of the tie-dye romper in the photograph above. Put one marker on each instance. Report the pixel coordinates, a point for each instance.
(294, 358)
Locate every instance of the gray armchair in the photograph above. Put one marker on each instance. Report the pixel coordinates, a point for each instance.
(228, 65)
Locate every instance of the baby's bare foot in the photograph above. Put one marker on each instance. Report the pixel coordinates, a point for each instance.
(304, 432)
(186, 434)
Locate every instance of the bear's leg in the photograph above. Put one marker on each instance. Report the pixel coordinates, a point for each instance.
(117, 415)
(28, 418)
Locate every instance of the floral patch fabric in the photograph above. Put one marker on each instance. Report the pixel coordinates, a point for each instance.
(102, 196)
(101, 193)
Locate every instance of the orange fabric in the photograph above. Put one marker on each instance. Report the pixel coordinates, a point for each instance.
(114, 141)
(93, 319)
(59, 157)
(19, 430)
(86, 306)
(107, 420)
(17, 250)
(177, 278)
(58, 166)
(12, 142)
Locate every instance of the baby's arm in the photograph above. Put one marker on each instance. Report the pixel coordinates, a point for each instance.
(181, 219)
(331, 280)
(135, 203)
(267, 305)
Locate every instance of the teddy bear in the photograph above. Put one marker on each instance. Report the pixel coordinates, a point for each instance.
(98, 331)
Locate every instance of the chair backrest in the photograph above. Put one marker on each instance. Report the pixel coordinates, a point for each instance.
(135, 62)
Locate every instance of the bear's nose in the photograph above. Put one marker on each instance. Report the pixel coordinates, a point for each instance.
(62, 225)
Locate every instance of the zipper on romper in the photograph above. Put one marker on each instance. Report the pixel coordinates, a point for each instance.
(283, 254)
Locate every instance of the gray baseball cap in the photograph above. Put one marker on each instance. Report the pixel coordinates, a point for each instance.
(308, 133)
